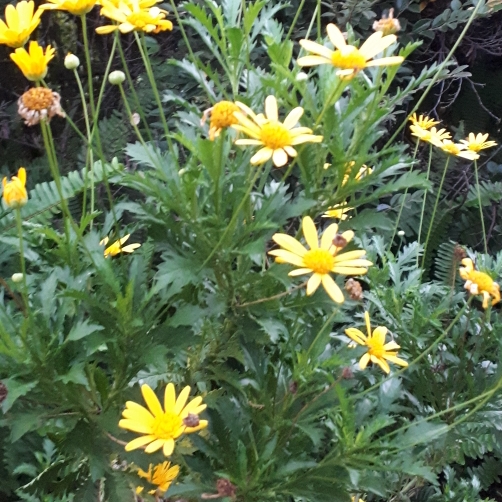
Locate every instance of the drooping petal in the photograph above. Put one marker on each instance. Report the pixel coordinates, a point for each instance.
(151, 400)
(332, 288)
(313, 284)
(368, 323)
(381, 362)
(356, 335)
(289, 243)
(138, 442)
(290, 151)
(365, 359)
(391, 346)
(261, 156)
(202, 425)
(396, 360)
(310, 232)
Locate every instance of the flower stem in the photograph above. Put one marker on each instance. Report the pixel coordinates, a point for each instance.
(423, 203)
(24, 293)
(480, 206)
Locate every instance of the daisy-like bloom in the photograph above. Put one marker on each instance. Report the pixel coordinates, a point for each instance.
(379, 352)
(117, 246)
(339, 211)
(161, 426)
(423, 121)
(20, 22)
(457, 149)
(479, 283)
(477, 142)
(388, 25)
(131, 16)
(161, 475)
(75, 7)
(39, 103)
(321, 260)
(14, 191)
(277, 138)
(431, 135)
(222, 115)
(33, 63)
(349, 59)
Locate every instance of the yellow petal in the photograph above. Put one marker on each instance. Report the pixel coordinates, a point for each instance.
(364, 361)
(396, 360)
(135, 426)
(368, 323)
(328, 236)
(356, 335)
(379, 335)
(310, 232)
(349, 270)
(305, 138)
(376, 43)
(316, 48)
(138, 442)
(202, 425)
(293, 117)
(312, 61)
(288, 257)
(381, 362)
(331, 287)
(169, 397)
(313, 284)
(350, 255)
(389, 61)
(279, 157)
(300, 271)
(155, 445)
(261, 156)
(182, 400)
(168, 447)
(336, 36)
(151, 400)
(271, 109)
(289, 243)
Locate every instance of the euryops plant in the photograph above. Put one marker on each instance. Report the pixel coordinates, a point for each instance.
(234, 311)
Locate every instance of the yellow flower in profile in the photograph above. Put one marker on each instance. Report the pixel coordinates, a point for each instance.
(117, 247)
(431, 135)
(477, 142)
(479, 283)
(321, 260)
(457, 149)
(349, 59)
(161, 475)
(388, 25)
(161, 426)
(131, 16)
(379, 352)
(364, 170)
(423, 121)
(75, 7)
(20, 22)
(277, 138)
(14, 191)
(339, 211)
(33, 63)
(222, 116)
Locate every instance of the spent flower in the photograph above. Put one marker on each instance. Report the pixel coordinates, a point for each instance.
(222, 116)
(161, 426)
(277, 138)
(347, 58)
(378, 352)
(14, 191)
(479, 283)
(20, 21)
(321, 260)
(39, 103)
(388, 25)
(33, 63)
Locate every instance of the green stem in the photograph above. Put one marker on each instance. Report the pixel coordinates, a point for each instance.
(295, 19)
(19, 225)
(423, 203)
(431, 224)
(480, 206)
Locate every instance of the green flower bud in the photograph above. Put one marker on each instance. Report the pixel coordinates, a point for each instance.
(116, 77)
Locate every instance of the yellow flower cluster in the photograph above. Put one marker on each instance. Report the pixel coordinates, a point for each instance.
(422, 127)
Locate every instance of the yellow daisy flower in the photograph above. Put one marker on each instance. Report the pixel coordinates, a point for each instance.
(14, 191)
(161, 426)
(75, 7)
(131, 16)
(339, 211)
(349, 59)
(20, 22)
(222, 116)
(161, 475)
(277, 138)
(117, 247)
(477, 142)
(431, 135)
(457, 149)
(321, 260)
(379, 352)
(423, 121)
(33, 63)
(479, 283)
(364, 170)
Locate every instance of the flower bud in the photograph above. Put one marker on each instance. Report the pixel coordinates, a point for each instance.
(116, 77)
(17, 277)
(71, 62)
(401, 233)
(301, 77)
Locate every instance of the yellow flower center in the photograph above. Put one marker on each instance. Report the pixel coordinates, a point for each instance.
(483, 280)
(222, 114)
(166, 426)
(320, 261)
(348, 58)
(274, 135)
(37, 98)
(374, 347)
(140, 19)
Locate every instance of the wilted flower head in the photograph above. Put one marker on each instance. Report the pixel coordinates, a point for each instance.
(33, 63)
(479, 283)
(277, 138)
(348, 58)
(39, 103)
(14, 191)
(222, 116)
(388, 25)
(20, 22)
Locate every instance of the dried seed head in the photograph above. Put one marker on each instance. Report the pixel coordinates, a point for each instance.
(339, 241)
(191, 420)
(354, 289)
(459, 253)
(39, 103)
(225, 488)
(347, 373)
(293, 387)
(388, 25)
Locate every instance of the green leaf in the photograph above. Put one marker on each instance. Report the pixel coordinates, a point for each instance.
(83, 329)
(15, 390)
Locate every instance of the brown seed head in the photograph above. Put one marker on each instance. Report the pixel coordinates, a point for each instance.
(191, 420)
(354, 289)
(459, 252)
(339, 241)
(347, 373)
